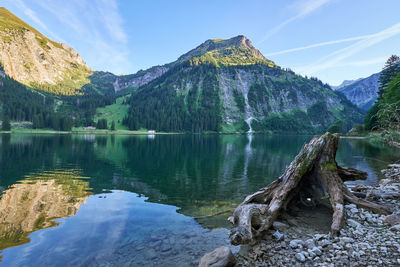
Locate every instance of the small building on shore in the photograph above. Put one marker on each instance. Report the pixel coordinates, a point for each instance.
(89, 128)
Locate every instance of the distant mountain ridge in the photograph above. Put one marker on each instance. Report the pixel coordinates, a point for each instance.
(344, 83)
(362, 92)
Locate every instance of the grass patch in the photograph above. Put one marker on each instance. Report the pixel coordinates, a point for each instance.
(237, 127)
(115, 112)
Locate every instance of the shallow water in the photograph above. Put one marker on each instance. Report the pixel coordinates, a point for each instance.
(133, 200)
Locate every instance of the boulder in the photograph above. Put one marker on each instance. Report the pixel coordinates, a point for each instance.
(393, 219)
(220, 257)
(280, 226)
(310, 243)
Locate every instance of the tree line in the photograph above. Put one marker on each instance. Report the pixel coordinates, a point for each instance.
(21, 103)
(385, 113)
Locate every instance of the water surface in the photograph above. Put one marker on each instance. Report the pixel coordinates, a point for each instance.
(72, 200)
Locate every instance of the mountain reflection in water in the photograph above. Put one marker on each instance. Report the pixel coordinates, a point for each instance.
(35, 202)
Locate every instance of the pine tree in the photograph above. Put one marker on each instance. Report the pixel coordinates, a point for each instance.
(102, 124)
(388, 72)
(6, 126)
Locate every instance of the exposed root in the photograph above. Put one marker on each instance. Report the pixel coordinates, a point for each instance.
(312, 178)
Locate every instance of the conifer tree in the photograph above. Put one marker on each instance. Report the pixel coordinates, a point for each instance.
(388, 72)
(6, 126)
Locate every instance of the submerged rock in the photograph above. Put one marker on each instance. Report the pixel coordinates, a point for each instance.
(280, 226)
(220, 257)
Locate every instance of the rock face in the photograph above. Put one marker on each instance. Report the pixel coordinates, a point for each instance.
(344, 83)
(34, 60)
(139, 79)
(220, 257)
(363, 92)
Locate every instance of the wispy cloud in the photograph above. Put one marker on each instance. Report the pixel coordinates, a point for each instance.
(319, 45)
(334, 59)
(112, 20)
(303, 8)
(362, 63)
(96, 23)
(32, 15)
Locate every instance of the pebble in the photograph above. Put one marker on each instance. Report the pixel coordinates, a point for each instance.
(316, 251)
(300, 257)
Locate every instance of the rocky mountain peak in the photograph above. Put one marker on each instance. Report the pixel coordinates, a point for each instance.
(219, 45)
(239, 41)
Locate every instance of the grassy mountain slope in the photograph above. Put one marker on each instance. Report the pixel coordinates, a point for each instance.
(114, 112)
(34, 60)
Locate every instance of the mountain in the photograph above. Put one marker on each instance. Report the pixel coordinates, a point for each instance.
(344, 83)
(38, 62)
(362, 92)
(231, 52)
(228, 85)
(45, 82)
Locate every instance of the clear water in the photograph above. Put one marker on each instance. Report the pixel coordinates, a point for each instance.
(86, 200)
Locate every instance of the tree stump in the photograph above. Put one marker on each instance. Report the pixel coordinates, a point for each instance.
(312, 178)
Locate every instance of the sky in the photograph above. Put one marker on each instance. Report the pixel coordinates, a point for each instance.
(333, 40)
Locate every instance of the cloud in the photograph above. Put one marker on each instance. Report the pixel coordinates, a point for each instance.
(334, 59)
(319, 45)
(95, 23)
(303, 8)
(32, 15)
(112, 20)
(362, 63)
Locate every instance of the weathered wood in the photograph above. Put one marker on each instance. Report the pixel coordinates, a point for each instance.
(350, 174)
(313, 177)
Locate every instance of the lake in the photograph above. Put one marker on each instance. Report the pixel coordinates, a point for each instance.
(93, 200)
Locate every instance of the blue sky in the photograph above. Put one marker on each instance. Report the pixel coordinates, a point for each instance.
(333, 40)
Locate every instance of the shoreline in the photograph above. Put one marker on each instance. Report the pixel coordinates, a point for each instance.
(367, 239)
(96, 132)
(128, 132)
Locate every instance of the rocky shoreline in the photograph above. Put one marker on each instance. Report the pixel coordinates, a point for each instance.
(367, 239)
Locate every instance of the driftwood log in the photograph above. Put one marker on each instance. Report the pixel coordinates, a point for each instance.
(312, 178)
